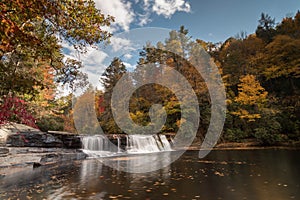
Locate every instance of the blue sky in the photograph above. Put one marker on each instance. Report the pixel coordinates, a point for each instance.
(217, 20)
(210, 20)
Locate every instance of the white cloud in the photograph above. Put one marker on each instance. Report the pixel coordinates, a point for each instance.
(121, 10)
(125, 15)
(118, 43)
(127, 56)
(167, 7)
(93, 57)
(144, 19)
(129, 66)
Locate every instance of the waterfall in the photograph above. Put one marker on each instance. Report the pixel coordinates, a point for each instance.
(100, 146)
(147, 144)
(119, 145)
(95, 143)
(165, 143)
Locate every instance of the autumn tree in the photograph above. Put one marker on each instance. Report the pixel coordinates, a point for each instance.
(251, 98)
(30, 37)
(31, 34)
(84, 113)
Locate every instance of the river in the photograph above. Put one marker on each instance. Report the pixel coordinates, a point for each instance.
(223, 174)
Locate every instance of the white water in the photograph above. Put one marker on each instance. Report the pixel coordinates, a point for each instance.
(100, 146)
(95, 143)
(147, 144)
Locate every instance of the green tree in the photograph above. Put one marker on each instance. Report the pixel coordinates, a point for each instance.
(109, 79)
(265, 30)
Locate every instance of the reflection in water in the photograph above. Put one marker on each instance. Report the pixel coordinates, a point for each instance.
(140, 163)
(254, 174)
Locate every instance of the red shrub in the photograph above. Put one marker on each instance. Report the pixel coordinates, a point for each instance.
(14, 109)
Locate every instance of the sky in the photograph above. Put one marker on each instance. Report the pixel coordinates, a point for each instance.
(208, 20)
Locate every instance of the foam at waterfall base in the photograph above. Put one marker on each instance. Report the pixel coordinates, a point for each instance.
(102, 154)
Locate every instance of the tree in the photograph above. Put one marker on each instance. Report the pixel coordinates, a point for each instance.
(286, 63)
(30, 33)
(31, 58)
(290, 26)
(251, 98)
(265, 30)
(84, 113)
(109, 79)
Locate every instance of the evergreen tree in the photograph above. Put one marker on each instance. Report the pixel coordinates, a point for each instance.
(109, 79)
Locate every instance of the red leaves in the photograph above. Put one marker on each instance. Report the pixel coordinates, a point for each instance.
(14, 109)
(101, 107)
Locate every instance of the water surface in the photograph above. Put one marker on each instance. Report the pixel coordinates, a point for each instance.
(229, 174)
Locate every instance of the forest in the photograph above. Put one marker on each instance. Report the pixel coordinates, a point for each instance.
(261, 73)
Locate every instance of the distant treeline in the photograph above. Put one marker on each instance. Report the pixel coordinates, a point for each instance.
(261, 72)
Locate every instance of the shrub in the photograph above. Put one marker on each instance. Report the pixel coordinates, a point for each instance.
(14, 109)
(53, 123)
(269, 132)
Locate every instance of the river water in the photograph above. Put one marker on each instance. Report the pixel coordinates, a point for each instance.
(227, 174)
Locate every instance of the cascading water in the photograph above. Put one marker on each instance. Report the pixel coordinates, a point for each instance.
(119, 145)
(147, 144)
(95, 143)
(100, 146)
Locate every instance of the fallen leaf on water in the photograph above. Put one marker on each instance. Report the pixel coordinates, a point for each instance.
(219, 173)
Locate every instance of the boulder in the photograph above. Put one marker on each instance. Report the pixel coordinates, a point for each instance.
(69, 140)
(33, 139)
(19, 135)
(13, 128)
(61, 157)
(4, 152)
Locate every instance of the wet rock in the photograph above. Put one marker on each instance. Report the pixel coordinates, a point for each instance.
(69, 140)
(35, 165)
(4, 152)
(60, 157)
(33, 139)
(19, 135)
(32, 156)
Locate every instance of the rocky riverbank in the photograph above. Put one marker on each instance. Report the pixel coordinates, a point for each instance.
(22, 145)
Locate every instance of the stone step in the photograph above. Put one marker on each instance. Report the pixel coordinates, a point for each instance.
(4, 152)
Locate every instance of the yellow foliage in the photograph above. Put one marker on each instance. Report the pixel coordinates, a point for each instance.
(251, 92)
(244, 114)
(251, 96)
